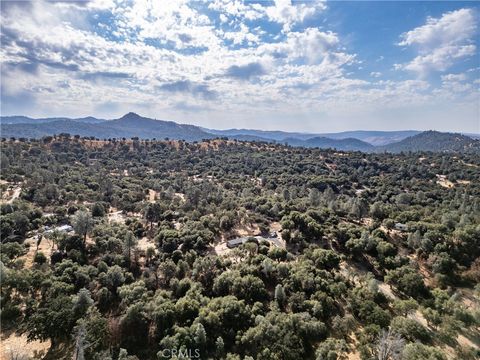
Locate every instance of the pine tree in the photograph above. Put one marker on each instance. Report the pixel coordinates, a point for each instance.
(82, 223)
(200, 335)
(82, 302)
(280, 296)
(219, 347)
(130, 243)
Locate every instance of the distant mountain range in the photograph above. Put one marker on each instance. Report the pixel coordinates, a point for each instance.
(371, 137)
(28, 120)
(134, 125)
(129, 125)
(433, 141)
(348, 144)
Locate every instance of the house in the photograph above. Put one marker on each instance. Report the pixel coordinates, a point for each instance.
(65, 228)
(236, 242)
(401, 227)
(62, 229)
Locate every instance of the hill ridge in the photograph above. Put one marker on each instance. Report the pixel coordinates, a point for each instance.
(132, 124)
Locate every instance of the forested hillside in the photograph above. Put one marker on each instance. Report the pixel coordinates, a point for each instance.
(348, 144)
(133, 125)
(129, 125)
(119, 250)
(434, 141)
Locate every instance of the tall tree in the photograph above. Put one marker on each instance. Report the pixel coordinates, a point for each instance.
(152, 213)
(280, 296)
(130, 242)
(82, 223)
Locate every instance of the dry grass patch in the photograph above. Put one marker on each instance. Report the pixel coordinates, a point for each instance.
(19, 346)
(444, 182)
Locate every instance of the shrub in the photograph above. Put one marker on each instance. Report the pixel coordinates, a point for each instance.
(40, 258)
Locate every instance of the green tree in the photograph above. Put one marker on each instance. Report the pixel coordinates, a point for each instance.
(405, 307)
(200, 335)
(40, 258)
(409, 329)
(82, 223)
(82, 303)
(98, 210)
(419, 351)
(280, 296)
(152, 213)
(97, 332)
(408, 281)
(115, 277)
(219, 348)
(52, 320)
(332, 349)
(129, 243)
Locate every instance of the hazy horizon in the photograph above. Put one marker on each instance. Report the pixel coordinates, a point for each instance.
(313, 67)
(253, 129)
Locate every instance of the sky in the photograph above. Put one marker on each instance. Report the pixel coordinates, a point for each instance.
(310, 66)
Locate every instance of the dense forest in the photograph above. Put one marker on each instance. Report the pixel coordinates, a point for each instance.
(117, 249)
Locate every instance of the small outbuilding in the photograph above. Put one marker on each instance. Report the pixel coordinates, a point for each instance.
(236, 242)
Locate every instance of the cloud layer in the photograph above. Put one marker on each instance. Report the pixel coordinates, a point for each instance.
(256, 64)
(442, 41)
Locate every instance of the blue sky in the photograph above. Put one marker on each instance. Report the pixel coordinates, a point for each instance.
(304, 66)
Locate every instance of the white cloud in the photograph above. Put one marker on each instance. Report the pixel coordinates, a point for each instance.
(128, 70)
(452, 28)
(439, 59)
(237, 9)
(284, 12)
(312, 45)
(454, 77)
(173, 60)
(453, 84)
(441, 41)
(170, 22)
(243, 35)
(223, 18)
(288, 14)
